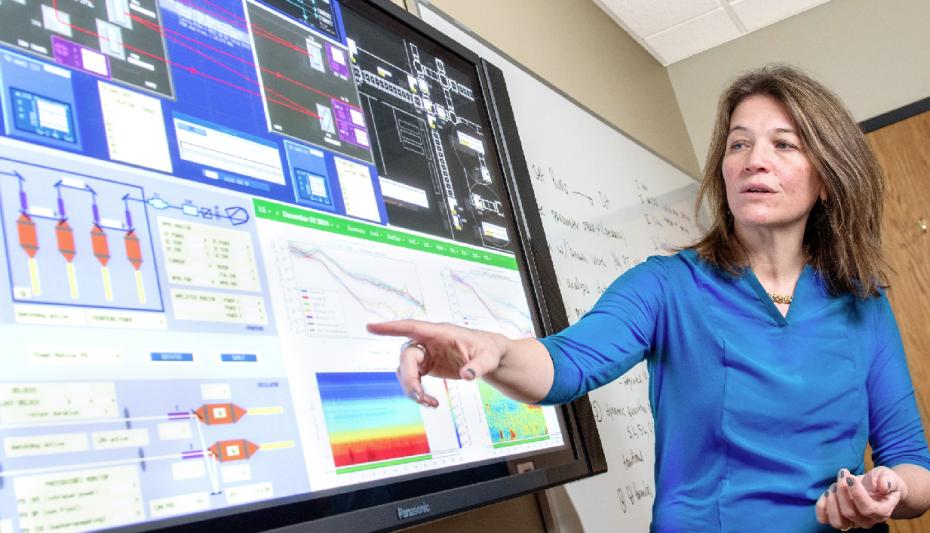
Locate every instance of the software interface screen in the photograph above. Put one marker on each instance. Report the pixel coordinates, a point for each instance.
(202, 203)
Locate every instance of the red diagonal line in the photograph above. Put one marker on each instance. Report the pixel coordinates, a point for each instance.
(290, 103)
(278, 97)
(256, 29)
(277, 74)
(158, 28)
(283, 100)
(95, 34)
(302, 86)
(244, 89)
(180, 35)
(259, 31)
(189, 69)
(266, 34)
(176, 36)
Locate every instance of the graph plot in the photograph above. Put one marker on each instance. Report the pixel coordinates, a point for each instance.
(489, 300)
(339, 287)
(370, 420)
(509, 421)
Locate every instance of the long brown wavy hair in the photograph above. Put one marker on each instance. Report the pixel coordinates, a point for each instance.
(843, 234)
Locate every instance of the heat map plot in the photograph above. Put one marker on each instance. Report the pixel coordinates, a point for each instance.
(371, 422)
(509, 421)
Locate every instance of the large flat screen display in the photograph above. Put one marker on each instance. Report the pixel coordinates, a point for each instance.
(202, 203)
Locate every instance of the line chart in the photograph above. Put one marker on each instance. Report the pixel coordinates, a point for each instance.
(336, 290)
(488, 300)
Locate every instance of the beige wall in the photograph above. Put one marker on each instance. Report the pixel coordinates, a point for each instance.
(574, 46)
(875, 55)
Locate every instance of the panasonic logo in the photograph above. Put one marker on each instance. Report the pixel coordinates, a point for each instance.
(404, 513)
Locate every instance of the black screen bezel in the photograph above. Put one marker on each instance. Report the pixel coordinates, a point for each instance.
(445, 493)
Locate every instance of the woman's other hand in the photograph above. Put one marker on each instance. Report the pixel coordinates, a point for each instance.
(861, 501)
(441, 350)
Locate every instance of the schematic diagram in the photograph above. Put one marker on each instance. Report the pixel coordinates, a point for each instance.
(122, 451)
(112, 39)
(82, 240)
(59, 227)
(429, 145)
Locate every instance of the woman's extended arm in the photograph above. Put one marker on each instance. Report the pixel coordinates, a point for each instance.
(603, 344)
(521, 369)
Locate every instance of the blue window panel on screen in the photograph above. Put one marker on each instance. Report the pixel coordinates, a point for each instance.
(38, 102)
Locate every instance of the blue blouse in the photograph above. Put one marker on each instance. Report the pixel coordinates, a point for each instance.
(755, 412)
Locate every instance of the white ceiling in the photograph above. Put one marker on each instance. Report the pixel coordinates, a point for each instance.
(672, 30)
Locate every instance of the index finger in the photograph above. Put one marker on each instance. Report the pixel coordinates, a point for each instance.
(415, 329)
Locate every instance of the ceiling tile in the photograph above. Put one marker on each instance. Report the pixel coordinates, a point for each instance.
(694, 36)
(652, 16)
(755, 14)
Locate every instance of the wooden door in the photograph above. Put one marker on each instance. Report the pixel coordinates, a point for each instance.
(903, 150)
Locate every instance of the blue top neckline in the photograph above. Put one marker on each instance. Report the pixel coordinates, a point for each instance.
(798, 297)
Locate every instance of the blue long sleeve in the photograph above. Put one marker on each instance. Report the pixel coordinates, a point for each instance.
(896, 433)
(584, 357)
(755, 411)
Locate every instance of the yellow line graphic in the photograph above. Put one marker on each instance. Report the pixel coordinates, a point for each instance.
(265, 410)
(107, 285)
(72, 281)
(34, 277)
(140, 287)
(280, 445)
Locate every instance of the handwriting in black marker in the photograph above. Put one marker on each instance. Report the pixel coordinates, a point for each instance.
(634, 457)
(578, 285)
(583, 195)
(622, 499)
(537, 173)
(559, 184)
(564, 220)
(637, 491)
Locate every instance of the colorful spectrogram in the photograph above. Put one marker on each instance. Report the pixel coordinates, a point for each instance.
(509, 420)
(369, 419)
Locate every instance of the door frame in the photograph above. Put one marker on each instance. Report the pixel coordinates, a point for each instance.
(895, 115)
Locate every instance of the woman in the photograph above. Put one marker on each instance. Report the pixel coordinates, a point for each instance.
(773, 354)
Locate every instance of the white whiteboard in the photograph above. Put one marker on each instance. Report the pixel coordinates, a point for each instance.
(606, 204)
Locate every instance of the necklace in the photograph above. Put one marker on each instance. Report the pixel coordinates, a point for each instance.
(781, 298)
